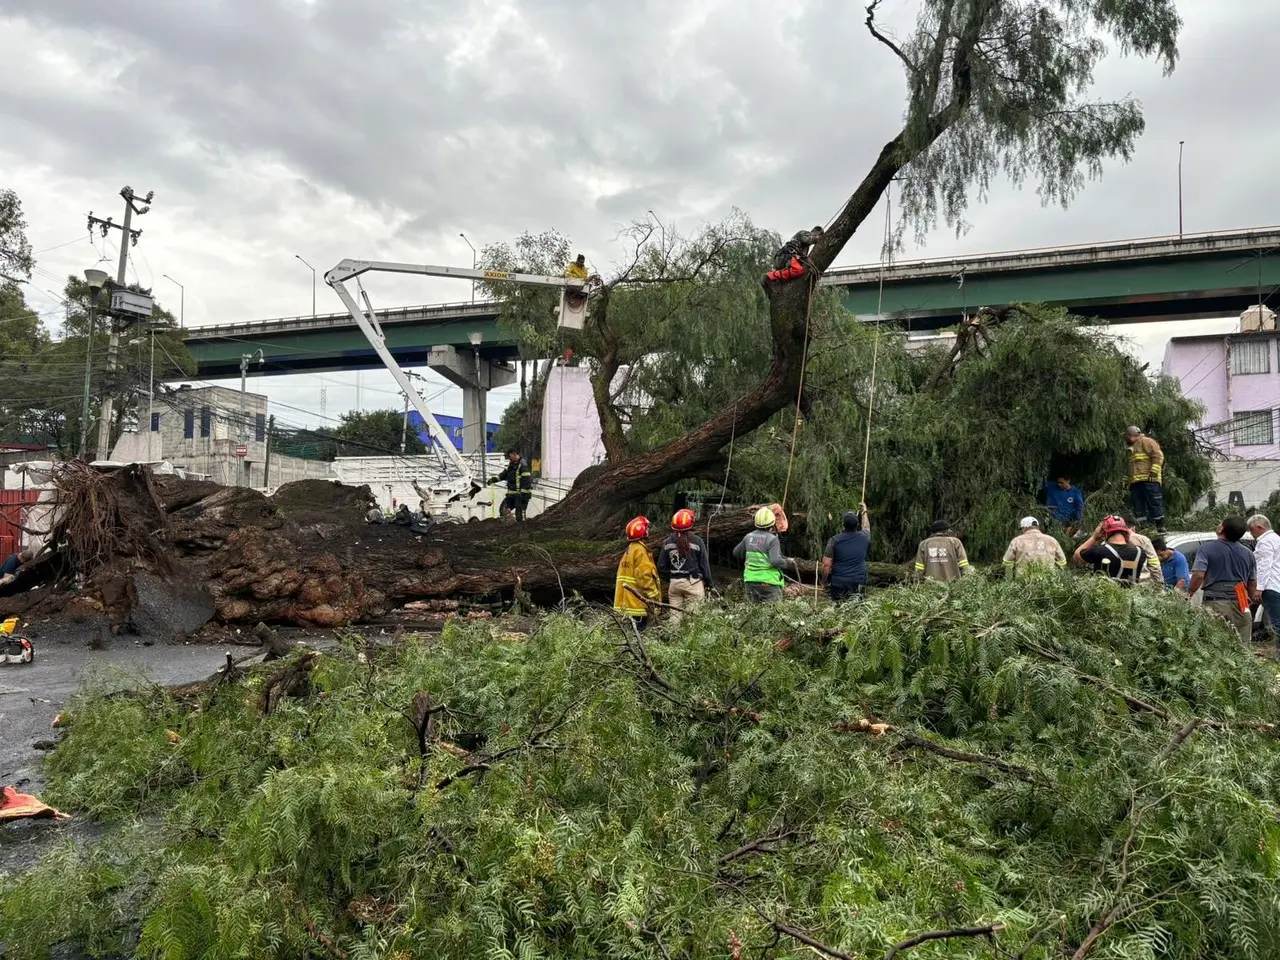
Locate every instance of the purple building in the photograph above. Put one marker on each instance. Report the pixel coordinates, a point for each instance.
(1237, 378)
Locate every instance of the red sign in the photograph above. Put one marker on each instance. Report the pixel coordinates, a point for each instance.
(242, 451)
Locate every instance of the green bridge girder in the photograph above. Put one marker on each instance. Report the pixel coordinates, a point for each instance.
(1202, 275)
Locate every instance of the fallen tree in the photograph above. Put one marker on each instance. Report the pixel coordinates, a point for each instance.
(1053, 768)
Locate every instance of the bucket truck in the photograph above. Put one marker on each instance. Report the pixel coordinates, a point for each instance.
(459, 483)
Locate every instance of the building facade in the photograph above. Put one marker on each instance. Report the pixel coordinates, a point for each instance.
(1237, 378)
(202, 430)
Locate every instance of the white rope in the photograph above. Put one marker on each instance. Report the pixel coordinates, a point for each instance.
(885, 254)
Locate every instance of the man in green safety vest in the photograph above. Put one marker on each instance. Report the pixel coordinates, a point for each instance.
(519, 479)
(761, 554)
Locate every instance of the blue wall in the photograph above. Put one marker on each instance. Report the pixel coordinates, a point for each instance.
(452, 426)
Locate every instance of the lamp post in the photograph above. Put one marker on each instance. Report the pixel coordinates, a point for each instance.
(182, 301)
(313, 285)
(476, 337)
(96, 279)
(1180, 143)
(473, 264)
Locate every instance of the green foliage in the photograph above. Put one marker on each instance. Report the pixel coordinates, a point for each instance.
(1011, 80)
(44, 378)
(1047, 395)
(15, 250)
(575, 800)
(369, 433)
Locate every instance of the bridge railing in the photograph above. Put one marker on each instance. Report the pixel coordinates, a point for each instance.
(310, 321)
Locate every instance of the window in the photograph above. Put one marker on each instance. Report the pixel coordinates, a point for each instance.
(155, 423)
(260, 427)
(1253, 428)
(206, 421)
(1250, 356)
(188, 423)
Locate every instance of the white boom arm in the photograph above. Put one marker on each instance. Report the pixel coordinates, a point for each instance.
(372, 330)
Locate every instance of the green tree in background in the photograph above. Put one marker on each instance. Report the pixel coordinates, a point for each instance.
(374, 433)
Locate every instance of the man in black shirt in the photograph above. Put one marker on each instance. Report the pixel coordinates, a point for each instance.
(844, 562)
(1109, 552)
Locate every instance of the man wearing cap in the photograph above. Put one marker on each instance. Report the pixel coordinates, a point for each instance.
(941, 556)
(1032, 548)
(844, 562)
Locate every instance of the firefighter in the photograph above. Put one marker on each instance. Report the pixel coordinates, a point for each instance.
(1146, 478)
(577, 270)
(761, 554)
(788, 262)
(684, 564)
(519, 480)
(637, 576)
(941, 556)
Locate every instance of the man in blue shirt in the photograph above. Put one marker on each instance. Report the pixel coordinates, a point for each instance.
(1173, 565)
(844, 562)
(1065, 503)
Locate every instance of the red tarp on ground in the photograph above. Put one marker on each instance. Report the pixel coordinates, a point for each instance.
(21, 806)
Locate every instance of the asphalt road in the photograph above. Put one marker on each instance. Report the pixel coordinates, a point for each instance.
(31, 695)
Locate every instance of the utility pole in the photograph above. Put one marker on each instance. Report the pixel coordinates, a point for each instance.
(132, 204)
(96, 279)
(404, 427)
(245, 360)
(266, 461)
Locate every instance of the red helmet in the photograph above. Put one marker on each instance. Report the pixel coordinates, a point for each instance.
(638, 528)
(1113, 525)
(683, 520)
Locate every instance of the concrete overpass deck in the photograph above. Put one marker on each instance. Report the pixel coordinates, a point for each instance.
(1156, 278)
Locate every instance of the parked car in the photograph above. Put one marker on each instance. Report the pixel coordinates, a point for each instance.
(1188, 544)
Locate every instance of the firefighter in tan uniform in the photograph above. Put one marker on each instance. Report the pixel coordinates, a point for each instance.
(1146, 478)
(941, 556)
(1033, 548)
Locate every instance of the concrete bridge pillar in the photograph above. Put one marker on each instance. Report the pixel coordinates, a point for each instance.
(476, 376)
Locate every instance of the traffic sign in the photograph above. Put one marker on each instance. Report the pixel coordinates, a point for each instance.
(242, 451)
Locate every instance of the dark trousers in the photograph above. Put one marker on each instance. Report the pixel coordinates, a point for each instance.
(840, 592)
(763, 592)
(1271, 604)
(1148, 501)
(519, 502)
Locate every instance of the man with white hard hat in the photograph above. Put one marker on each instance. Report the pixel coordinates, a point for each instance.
(1033, 549)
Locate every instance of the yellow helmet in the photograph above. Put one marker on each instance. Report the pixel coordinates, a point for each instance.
(765, 518)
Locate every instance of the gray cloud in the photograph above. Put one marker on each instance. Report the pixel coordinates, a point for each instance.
(353, 127)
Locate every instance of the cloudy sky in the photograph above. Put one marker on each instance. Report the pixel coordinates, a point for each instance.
(270, 129)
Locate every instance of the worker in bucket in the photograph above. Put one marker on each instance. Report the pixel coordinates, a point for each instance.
(761, 554)
(519, 480)
(789, 261)
(637, 585)
(577, 270)
(684, 564)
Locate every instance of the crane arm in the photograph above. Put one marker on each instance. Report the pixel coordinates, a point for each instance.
(350, 269)
(373, 333)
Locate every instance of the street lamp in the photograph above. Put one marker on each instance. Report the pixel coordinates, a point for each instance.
(313, 285)
(473, 264)
(151, 384)
(182, 302)
(96, 279)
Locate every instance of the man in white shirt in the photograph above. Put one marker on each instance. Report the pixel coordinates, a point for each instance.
(1266, 550)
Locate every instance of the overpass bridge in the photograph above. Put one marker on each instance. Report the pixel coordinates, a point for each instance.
(1160, 278)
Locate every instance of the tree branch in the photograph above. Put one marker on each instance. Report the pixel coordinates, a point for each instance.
(795, 933)
(916, 740)
(912, 68)
(988, 931)
(762, 845)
